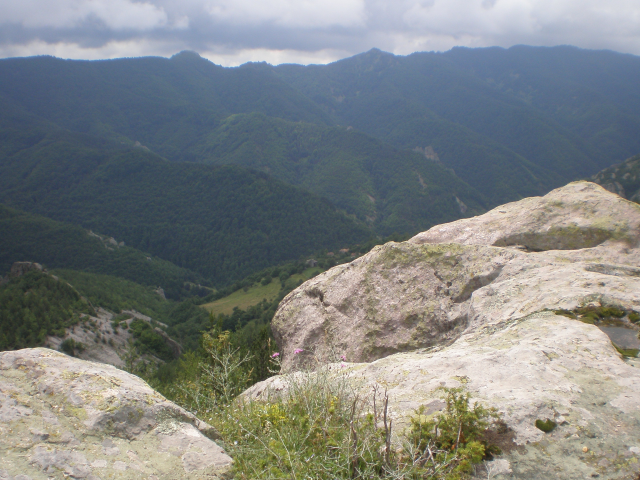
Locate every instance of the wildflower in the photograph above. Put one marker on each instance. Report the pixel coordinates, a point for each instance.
(343, 358)
(297, 351)
(343, 365)
(275, 355)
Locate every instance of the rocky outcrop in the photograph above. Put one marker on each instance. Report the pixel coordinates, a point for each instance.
(61, 417)
(576, 245)
(484, 303)
(19, 269)
(101, 340)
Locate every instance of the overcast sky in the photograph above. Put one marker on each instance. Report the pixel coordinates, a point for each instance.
(232, 32)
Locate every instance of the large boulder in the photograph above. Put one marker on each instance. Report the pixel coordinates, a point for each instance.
(576, 245)
(61, 417)
(485, 303)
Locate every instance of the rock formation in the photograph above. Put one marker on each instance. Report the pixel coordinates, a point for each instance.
(61, 417)
(485, 303)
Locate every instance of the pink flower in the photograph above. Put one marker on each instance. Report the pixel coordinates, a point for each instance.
(275, 355)
(343, 358)
(343, 365)
(297, 351)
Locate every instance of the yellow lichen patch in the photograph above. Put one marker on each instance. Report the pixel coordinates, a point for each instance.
(68, 375)
(78, 412)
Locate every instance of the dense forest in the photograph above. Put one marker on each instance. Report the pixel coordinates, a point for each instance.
(560, 112)
(34, 306)
(24, 236)
(220, 221)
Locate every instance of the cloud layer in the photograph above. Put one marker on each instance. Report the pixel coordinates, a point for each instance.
(231, 32)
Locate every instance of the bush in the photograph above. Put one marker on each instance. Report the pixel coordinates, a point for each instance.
(446, 444)
(318, 426)
(71, 347)
(322, 425)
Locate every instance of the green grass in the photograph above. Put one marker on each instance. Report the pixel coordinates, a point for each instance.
(307, 274)
(244, 299)
(255, 294)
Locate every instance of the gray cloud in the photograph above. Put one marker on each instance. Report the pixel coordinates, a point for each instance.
(312, 31)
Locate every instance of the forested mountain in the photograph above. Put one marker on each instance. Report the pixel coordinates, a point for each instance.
(165, 104)
(28, 237)
(186, 108)
(393, 190)
(220, 221)
(506, 121)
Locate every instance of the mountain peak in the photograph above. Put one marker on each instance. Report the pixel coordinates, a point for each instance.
(187, 55)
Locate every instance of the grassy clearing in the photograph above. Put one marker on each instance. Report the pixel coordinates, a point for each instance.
(307, 274)
(244, 299)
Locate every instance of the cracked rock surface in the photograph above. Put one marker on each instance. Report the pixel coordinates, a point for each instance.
(473, 303)
(61, 417)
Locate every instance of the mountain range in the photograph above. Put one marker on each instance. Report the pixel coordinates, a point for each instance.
(226, 171)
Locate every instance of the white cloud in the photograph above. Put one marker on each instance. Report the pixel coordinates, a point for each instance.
(230, 32)
(68, 50)
(289, 13)
(114, 14)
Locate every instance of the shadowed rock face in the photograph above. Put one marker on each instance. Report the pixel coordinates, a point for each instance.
(471, 303)
(65, 417)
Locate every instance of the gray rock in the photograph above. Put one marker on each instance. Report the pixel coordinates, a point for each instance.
(65, 417)
(428, 290)
(472, 303)
(21, 268)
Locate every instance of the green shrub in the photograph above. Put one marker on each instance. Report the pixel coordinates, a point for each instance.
(634, 317)
(71, 347)
(448, 443)
(147, 340)
(321, 425)
(317, 427)
(546, 426)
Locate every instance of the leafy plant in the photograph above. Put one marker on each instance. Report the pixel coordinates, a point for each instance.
(448, 443)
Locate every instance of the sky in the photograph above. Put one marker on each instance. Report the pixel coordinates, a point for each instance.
(232, 32)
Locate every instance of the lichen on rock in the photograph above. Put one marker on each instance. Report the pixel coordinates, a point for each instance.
(65, 417)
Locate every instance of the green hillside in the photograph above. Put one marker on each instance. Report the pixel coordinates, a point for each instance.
(185, 319)
(393, 190)
(594, 94)
(222, 222)
(623, 179)
(508, 122)
(165, 104)
(27, 237)
(34, 306)
(138, 149)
